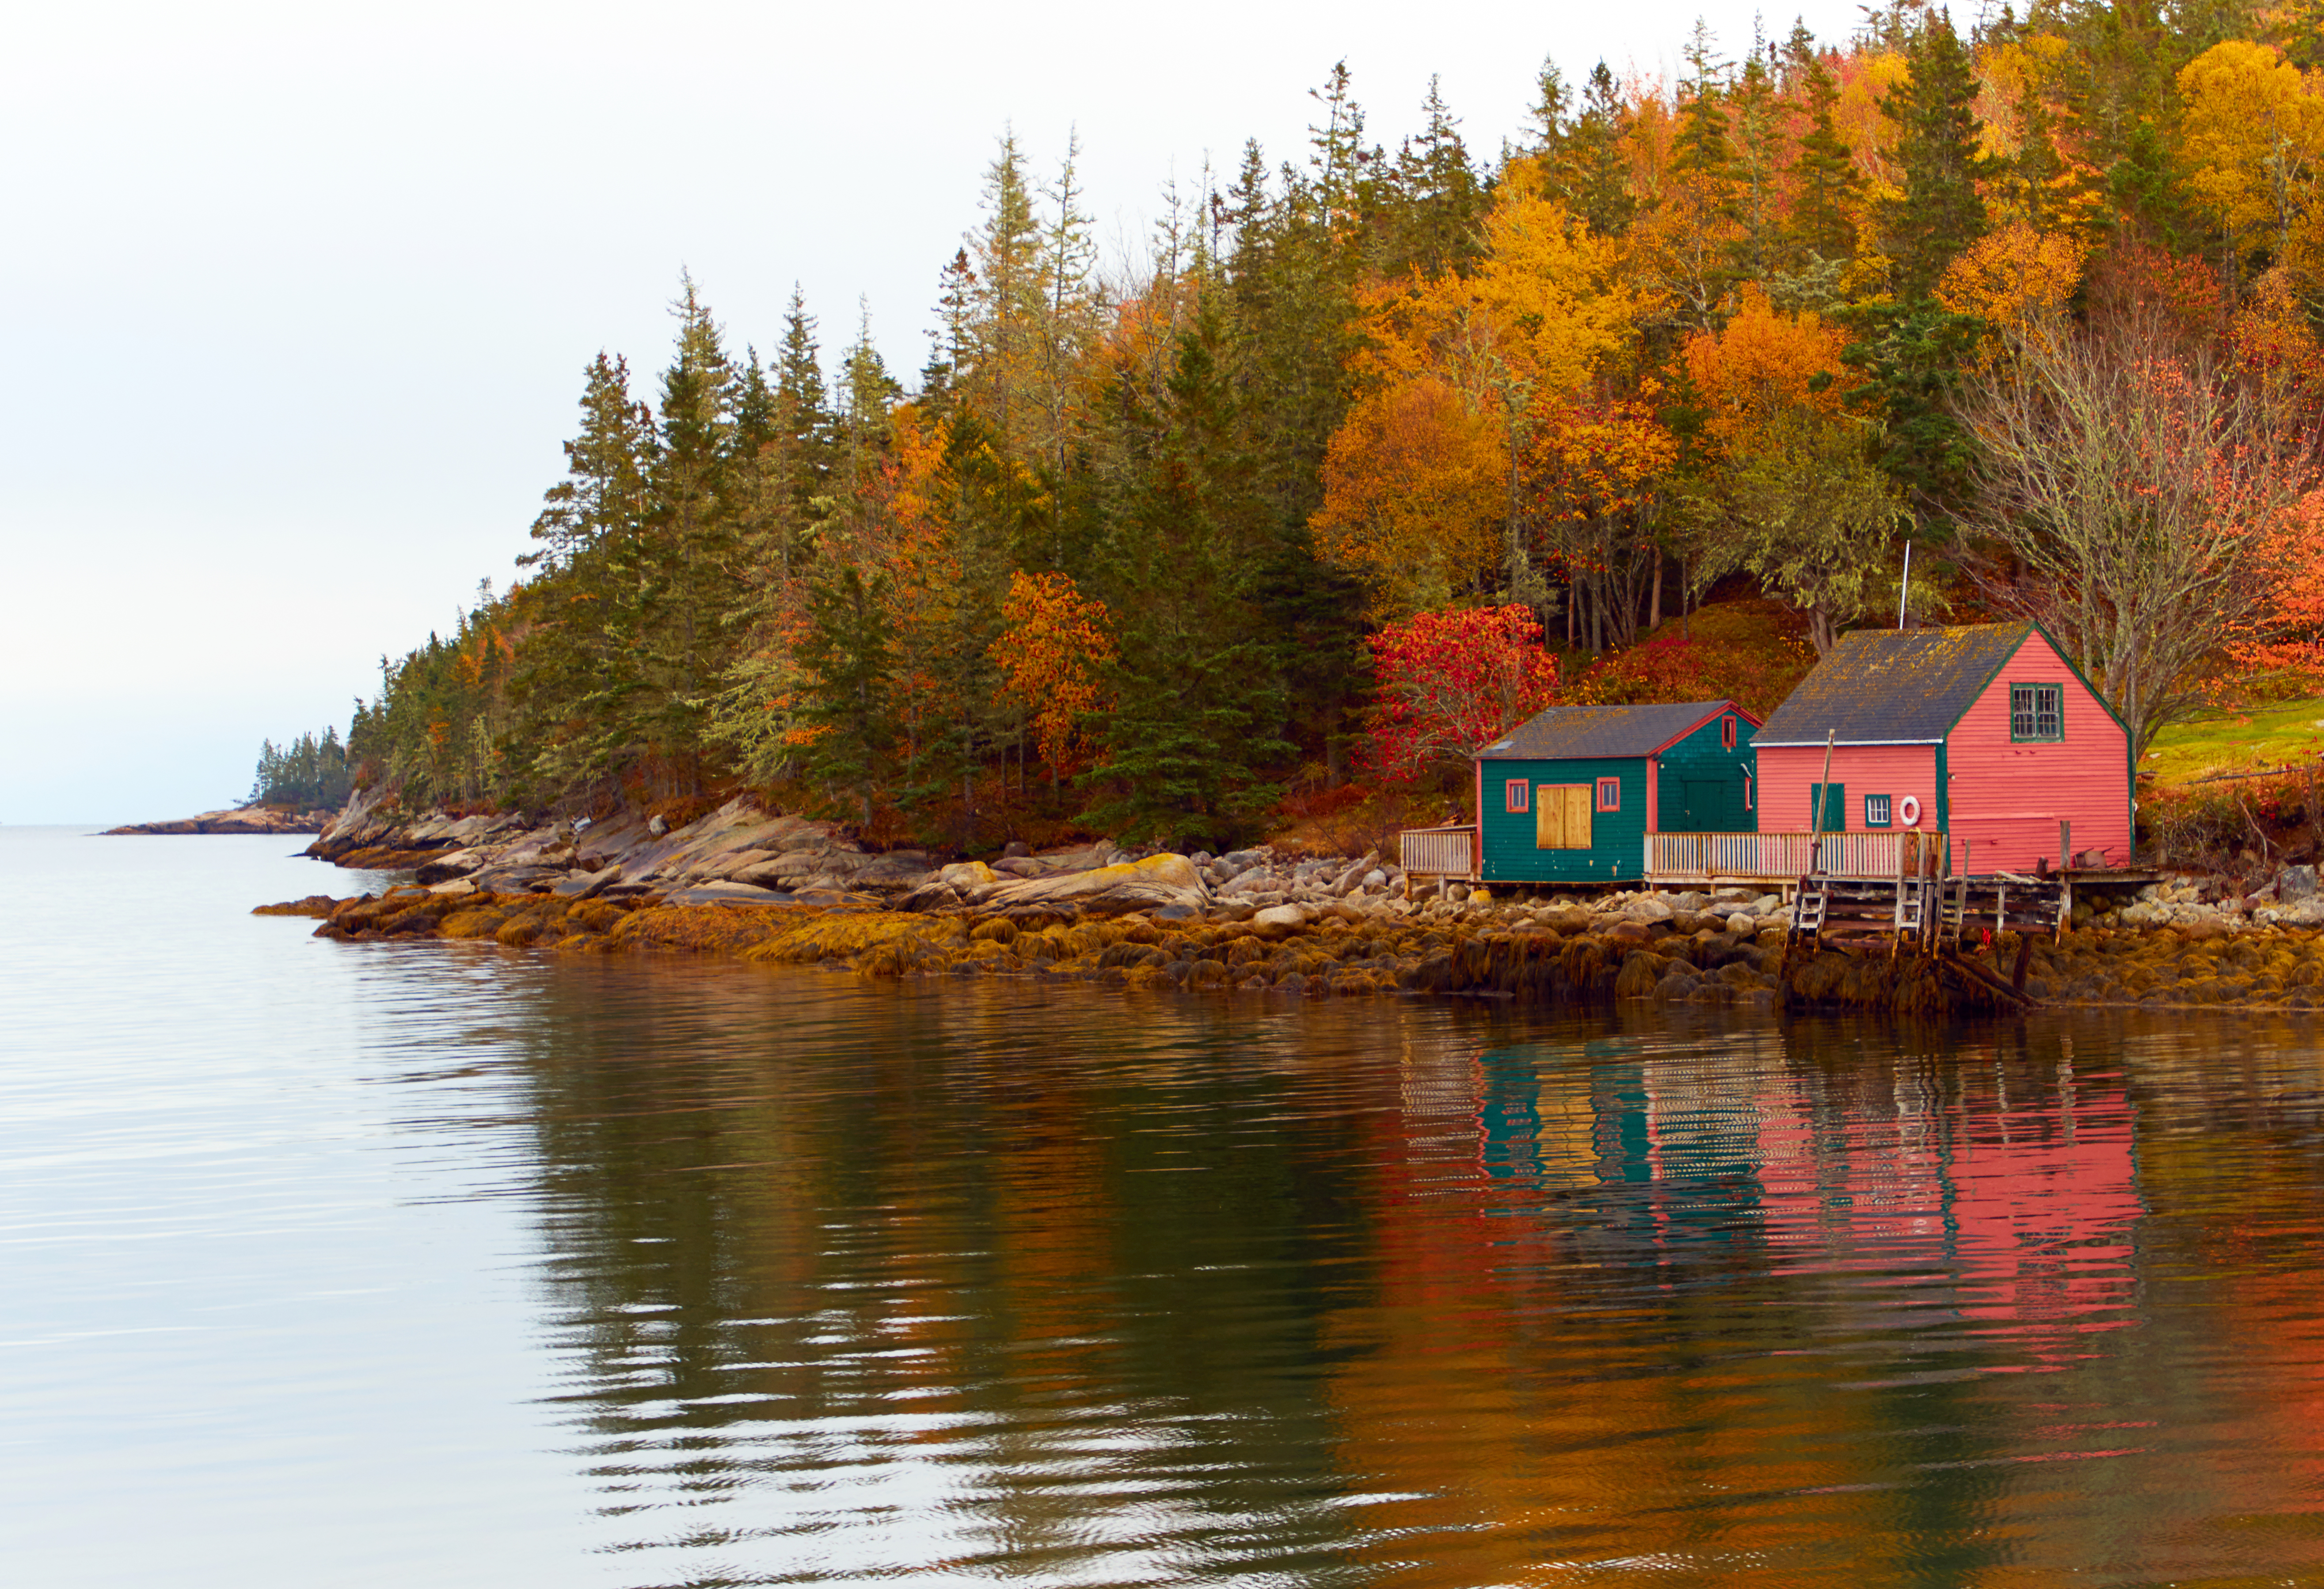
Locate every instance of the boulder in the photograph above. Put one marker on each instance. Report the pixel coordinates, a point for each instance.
(585, 885)
(1647, 909)
(1288, 918)
(1158, 883)
(1742, 924)
(2298, 882)
(726, 893)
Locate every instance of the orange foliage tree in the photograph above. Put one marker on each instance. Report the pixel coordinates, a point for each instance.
(1052, 655)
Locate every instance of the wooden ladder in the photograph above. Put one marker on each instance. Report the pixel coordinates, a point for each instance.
(1809, 908)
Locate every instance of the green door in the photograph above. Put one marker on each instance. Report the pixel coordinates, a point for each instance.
(1835, 806)
(1706, 807)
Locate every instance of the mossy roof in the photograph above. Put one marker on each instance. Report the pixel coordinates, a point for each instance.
(1568, 733)
(1895, 687)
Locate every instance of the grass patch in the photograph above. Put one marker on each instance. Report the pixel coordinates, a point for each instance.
(2261, 738)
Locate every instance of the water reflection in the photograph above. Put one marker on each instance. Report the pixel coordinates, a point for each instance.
(849, 1281)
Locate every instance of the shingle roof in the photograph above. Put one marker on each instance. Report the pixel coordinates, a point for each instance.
(1895, 687)
(1563, 732)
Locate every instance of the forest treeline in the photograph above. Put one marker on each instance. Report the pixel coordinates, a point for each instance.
(2037, 300)
(308, 773)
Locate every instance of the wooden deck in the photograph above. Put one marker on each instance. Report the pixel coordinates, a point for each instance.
(1928, 914)
(1437, 853)
(1719, 860)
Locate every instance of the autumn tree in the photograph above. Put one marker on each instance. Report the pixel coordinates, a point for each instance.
(1450, 682)
(1794, 496)
(2251, 135)
(2130, 478)
(1053, 654)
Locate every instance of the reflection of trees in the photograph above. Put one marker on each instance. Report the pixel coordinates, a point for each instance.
(937, 1274)
(937, 1249)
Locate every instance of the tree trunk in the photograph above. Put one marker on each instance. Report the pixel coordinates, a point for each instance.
(1655, 610)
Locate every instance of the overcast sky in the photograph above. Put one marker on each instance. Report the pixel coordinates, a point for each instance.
(295, 299)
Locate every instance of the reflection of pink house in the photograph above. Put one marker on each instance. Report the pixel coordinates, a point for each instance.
(1982, 730)
(2026, 1214)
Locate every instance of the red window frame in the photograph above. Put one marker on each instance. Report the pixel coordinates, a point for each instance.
(1746, 792)
(1516, 796)
(1727, 731)
(1610, 794)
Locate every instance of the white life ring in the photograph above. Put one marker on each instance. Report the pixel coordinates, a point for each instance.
(1908, 810)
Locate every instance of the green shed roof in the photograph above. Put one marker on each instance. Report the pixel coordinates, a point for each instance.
(1563, 732)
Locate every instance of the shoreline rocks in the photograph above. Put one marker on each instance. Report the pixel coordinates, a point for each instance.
(1343, 951)
(742, 881)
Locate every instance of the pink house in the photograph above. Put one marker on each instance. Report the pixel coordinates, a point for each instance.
(1983, 731)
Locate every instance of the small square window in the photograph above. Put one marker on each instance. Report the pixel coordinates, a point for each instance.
(1876, 811)
(1515, 795)
(2037, 712)
(1727, 731)
(1610, 794)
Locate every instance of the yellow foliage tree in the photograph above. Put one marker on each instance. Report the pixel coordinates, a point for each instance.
(1542, 307)
(1419, 500)
(1054, 655)
(1413, 494)
(2250, 131)
(2013, 278)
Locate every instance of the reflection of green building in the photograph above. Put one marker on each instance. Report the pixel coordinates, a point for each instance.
(1569, 796)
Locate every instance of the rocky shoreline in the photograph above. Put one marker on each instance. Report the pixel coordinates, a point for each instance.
(236, 820)
(786, 889)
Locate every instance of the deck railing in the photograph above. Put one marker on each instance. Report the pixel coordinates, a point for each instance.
(1438, 852)
(1778, 856)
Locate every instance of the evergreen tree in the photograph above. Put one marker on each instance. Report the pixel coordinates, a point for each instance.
(1940, 212)
(846, 660)
(579, 665)
(1703, 148)
(1436, 201)
(1825, 183)
(867, 394)
(690, 587)
(1195, 722)
(1002, 375)
(1587, 169)
(1757, 137)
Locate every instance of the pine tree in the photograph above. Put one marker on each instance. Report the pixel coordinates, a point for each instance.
(1197, 706)
(1586, 170)
(690, 587)
(846, 659)
(602, 498)
(1825, 183)
(867, 394)
(1067, 321)
(1003, 376)
(1431, 220)
(1753, 117)
(1703, 148)
(1940, 211)
(580, 665)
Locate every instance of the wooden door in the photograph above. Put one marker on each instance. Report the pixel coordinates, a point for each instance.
(1561, 816)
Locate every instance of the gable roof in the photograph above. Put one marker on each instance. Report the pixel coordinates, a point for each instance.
(1895, 687)
(1563, 732)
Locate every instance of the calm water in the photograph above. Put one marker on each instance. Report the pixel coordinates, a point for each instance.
(395, 1265)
